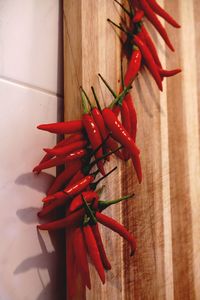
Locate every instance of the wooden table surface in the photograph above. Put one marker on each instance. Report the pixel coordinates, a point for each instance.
(165, 214)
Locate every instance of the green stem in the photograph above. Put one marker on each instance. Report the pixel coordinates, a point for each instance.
(119, 27)
(86, 96)
(108, 86)
(104, 204)
(120, 97)
(94, 184)
(124, 9)
(85, 108)
(88, 211)
(96, 99)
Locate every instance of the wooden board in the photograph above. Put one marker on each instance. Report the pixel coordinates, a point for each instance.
(165, 215)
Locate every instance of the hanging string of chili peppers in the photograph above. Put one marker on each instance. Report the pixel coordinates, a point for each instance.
(91, 142)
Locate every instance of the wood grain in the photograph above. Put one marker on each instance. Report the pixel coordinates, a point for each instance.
(165, 215)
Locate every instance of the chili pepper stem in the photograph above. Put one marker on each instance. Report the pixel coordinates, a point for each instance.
(94, 184)
(88, 210)
(96, 99)
(104, 204)
(124, 9)
(107, 85)
(83, 96)
(86, 96)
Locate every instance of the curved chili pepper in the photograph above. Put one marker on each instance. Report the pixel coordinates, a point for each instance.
(94, 138)
(96, 113)
(57, 161)
(117, 227)
(93, 251)
(150, 44)
(169, 73)
(72, 138)
(125, 116)
(133, 115)
(151, 16)
(149, 61)
(139, 14)
(62, 127)
(102, 252)
(77, 202)
(133, 67)
(67, 222)
(67, 149)
(118, 131)
(66, 175)
(70, 191)
(81, 256)
(162, 13)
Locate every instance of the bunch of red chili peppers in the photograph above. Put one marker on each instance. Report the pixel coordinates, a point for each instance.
(91, 141)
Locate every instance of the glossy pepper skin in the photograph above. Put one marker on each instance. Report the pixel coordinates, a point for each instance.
(117, 227)
(149, 60)
(150, 44)
(67, 149)
(102, 252)
(126, 122)
(70, 221)
(133, 67)
(80, 252)
(93, 251)
(63, 127)
(71, 169)
(124, 138)
(133, 115)
(151, 16)
(162, 13)
(70, 191)
(118, 131)
(57, 161)
(110, 143)
(94, 138)
(77, 202)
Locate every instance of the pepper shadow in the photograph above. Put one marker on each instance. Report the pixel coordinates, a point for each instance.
(53, 262)
(39, 182)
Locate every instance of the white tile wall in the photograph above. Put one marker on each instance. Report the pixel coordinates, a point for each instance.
(30, 80)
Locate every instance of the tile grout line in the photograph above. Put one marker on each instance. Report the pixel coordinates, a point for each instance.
(30, 86)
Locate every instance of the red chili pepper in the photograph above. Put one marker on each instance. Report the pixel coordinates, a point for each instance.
(162, 13)
(67, 149)
(77, 202)
(70, 191)
(117, 227)
(57, 161)
(133, 67)
(94, 138)
(72, 138)
(123, 137)
(118, 131)
(125, 116)
(63, 127)
(139, 14)
(169, 73)
(97, 235)
(150, 44)
(93, 251)
(133, 115)
(66, 175)
(80, 252)
(70, 265)
(149, 60)
(96, 113)
(151, 16)
(67, 222)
